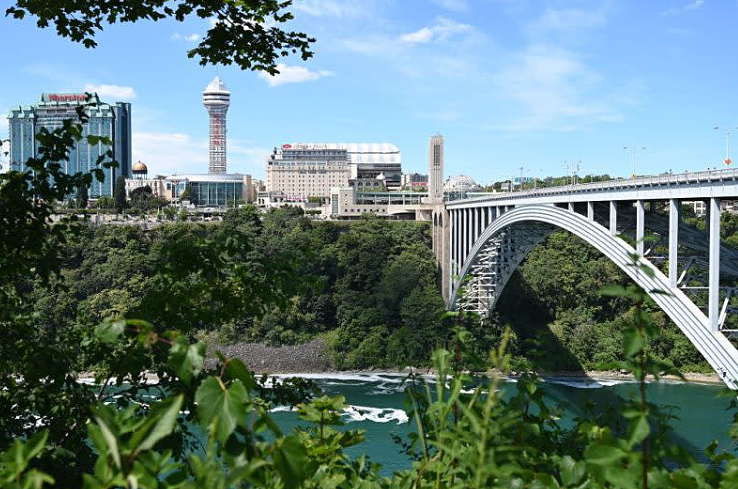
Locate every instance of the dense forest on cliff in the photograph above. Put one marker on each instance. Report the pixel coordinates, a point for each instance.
(371, 292)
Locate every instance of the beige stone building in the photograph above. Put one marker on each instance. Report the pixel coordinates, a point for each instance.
(304, 170)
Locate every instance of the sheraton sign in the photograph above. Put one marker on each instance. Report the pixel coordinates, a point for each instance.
(66, 97)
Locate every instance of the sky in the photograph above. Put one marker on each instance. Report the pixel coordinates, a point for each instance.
(516, 87)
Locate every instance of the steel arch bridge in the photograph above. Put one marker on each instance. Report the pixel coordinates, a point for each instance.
(479, 242)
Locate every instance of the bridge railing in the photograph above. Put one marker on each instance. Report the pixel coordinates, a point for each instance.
(686, 178)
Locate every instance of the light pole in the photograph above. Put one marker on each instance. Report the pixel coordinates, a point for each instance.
(728, 161)
(633, 150)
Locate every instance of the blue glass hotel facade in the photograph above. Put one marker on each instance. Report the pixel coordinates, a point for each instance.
(214, 189)
(110, 120)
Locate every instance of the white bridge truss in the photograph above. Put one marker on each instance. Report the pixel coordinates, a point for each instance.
(481, 241)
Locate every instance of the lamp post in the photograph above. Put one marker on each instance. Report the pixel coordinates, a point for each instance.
(728, 161)
(633, 150)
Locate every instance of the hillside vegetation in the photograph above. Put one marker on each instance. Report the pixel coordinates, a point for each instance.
(370, 290)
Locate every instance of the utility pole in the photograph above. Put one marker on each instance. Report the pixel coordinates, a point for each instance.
(633, 150)
(728, 161)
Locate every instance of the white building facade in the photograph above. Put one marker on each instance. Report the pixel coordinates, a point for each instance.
(304, 170)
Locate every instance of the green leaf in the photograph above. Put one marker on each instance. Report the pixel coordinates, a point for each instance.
(290, 460)
(237, 370)
(633, 343)
(221, 408)
(111, 441)
(639, 430)
(159, 423)
(571, 472)
(186, 359)
(108, 331)
(603, 454)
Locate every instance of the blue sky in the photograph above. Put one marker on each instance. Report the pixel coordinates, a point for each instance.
(509, 83)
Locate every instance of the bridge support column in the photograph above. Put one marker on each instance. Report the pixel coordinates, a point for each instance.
(467, 232)
(452, 250)
(475, 225)
(674, 218)
(613, 218)
(591, 211)
(714, 277)
(571, 206)
(640, 226)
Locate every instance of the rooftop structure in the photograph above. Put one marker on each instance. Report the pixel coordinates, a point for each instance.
(140, 170)
(460, 183)
(216, 98)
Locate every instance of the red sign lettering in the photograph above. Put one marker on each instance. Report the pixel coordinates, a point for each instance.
(67, 97)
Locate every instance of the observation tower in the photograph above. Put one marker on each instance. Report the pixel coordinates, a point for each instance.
(216, 98)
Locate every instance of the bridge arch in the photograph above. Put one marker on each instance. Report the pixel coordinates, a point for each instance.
(713, 345)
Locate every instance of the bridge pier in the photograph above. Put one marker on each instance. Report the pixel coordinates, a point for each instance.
(675, 211)
(640, 226)
(613, 218)
(714, 273)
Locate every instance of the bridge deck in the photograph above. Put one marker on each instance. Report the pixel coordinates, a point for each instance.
(683, 186)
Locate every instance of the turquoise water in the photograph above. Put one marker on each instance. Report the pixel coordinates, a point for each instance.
(377, 408)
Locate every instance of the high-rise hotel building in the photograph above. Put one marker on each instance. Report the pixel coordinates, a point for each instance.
(303, 170)
(111, 121)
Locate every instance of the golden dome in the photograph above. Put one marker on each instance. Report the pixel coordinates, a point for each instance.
(140, 167)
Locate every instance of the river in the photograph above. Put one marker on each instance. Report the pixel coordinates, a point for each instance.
(377, 408)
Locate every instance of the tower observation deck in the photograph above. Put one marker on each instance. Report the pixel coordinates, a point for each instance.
(216, 98)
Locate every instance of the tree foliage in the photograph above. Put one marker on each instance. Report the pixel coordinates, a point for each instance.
(245, 33)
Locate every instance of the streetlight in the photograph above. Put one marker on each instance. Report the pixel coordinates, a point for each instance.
(728, 161)
(634, 150)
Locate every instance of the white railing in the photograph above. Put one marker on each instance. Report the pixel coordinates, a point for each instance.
(707, 176)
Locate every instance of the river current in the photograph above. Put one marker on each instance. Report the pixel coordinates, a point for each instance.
(376, 406)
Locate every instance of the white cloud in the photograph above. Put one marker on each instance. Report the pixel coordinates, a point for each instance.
(187, 37)
(333, 8)
(568, 19)
(292, 74)
(697, 4)
(554, 90)
(112, 91)
(167, 153)
(453, 5)
(440, 31)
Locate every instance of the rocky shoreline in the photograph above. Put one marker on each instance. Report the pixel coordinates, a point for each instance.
(311, 357)
(315, 357)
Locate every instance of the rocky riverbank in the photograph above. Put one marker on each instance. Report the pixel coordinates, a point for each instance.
(315, 357)
(311, 357)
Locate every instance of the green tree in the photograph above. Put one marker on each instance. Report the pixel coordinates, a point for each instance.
(82, 198)
(119, 194)
(247, 34)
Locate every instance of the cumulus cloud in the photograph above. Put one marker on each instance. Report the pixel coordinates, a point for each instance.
(697, 4)
(333, 8)
(186, 37)
(555, 90)
(453, 5)
(292, 74)
(440, 31)
(112, 91)
(568, 19)
(167, 153)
